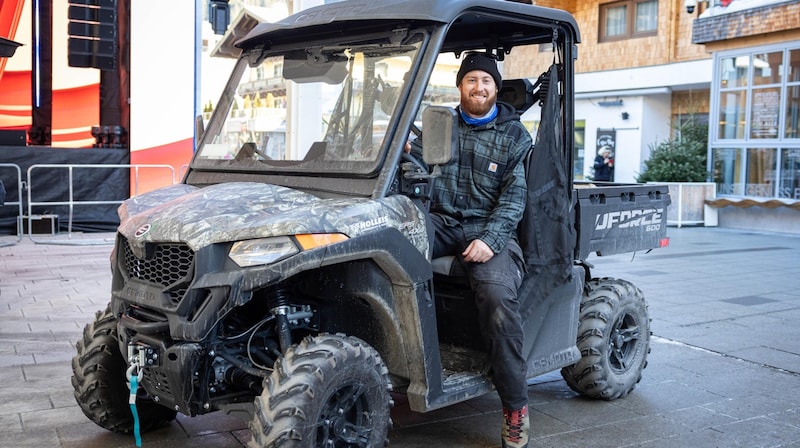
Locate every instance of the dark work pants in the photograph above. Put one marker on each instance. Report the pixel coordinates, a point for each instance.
(495, 284)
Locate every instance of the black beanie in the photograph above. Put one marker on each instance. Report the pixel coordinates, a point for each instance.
(479, 61)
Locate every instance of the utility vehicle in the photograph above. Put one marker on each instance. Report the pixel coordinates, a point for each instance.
(289, 276)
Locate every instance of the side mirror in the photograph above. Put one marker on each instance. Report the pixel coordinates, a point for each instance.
(440, 128)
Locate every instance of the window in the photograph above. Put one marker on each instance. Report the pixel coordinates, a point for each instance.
(764, 112)
(579, 154)
(726, 164)
(755, 144)
(792, 97)
(766, 95)
(790, 174)
(734, 72)
(343, 126)
(731, 115)
(628, 19)
(616, 23)
(761, 165)
(757, 95)
(646, 17)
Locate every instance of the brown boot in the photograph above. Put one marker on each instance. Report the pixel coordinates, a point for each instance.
(516, 428)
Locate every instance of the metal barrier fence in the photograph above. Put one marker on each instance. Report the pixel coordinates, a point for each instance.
(71, 202)
(18, 203)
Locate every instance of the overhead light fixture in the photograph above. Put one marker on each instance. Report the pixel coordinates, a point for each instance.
(610, 103)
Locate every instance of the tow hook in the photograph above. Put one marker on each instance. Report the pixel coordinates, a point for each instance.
(139, 357)
(135, 354)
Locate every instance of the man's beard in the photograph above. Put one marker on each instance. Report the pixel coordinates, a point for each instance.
(475, 108)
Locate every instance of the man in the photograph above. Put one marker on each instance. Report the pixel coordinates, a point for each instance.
(477, 203)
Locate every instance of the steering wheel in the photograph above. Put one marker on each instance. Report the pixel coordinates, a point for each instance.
(407, 157)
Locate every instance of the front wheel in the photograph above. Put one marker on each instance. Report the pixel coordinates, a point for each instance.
(614, 340)
(100, 384)
(328, 391)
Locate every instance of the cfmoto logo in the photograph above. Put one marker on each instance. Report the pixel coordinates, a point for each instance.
(142, 231)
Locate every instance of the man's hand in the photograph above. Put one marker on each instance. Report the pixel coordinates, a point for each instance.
(477, 252)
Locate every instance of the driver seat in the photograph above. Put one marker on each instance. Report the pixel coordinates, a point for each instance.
(449, 266)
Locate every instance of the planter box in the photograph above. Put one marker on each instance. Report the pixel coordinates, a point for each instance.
(688, 203)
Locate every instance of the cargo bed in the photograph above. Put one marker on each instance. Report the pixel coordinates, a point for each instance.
(618, 218)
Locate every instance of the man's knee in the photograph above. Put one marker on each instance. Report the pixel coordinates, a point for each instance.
(498, 310)
(504, 270)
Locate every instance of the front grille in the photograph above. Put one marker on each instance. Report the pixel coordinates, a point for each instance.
(168, 265)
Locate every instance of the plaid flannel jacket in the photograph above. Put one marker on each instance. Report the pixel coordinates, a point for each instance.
(484, 188)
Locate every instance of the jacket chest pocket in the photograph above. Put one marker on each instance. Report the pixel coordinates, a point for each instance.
(489, 173)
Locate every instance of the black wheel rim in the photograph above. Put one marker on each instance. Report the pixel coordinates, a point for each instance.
(345, 420)
(622, 342)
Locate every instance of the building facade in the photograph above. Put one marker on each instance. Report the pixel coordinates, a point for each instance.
(637, 73)
(646, 65)
(754, 137)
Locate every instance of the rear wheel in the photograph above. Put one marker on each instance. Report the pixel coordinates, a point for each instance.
(614, 340)
(328, 391)
(100, 385)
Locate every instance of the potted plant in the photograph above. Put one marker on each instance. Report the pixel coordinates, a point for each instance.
(680, 162)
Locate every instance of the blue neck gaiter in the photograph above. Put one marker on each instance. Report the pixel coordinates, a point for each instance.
(482, 120)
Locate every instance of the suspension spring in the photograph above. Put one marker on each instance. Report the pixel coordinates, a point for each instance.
(279, 307)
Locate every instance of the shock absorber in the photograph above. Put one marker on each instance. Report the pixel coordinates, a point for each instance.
(279, 307)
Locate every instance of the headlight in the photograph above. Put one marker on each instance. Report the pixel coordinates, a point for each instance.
(262, 251)
(269, 250)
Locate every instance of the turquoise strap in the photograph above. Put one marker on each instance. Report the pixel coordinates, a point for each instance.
(132, 401)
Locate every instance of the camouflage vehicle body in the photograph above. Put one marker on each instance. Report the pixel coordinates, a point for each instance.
(299, 289)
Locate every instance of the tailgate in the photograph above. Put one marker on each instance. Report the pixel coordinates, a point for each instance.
(614, 219)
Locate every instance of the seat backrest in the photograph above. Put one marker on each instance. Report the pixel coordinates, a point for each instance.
(522, 94)
(519, 93)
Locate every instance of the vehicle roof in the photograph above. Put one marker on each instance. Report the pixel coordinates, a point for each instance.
(370, 11)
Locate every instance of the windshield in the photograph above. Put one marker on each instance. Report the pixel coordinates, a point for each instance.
(319, 109)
